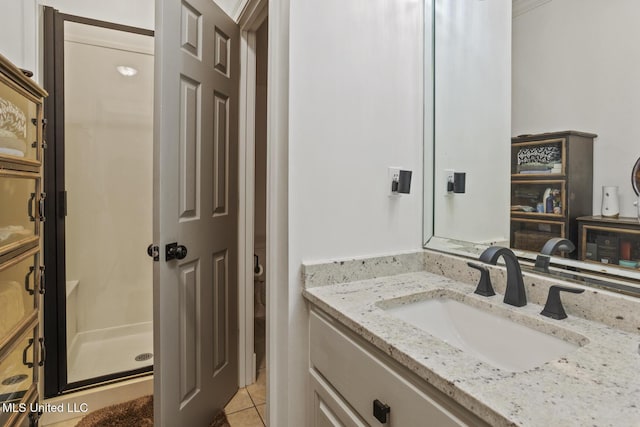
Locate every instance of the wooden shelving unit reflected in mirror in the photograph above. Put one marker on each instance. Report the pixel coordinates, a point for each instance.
(611, 241)
(551, 185)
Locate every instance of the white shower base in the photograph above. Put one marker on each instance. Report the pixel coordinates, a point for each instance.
(109, 351)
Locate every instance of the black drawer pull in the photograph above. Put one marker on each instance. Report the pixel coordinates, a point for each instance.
(30, 206)
(43, 352)
(27, 281)
(24, 354)
(381, 411)
(41, 207)
(42, 280)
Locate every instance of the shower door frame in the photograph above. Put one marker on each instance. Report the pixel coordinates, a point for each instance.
(55, 307)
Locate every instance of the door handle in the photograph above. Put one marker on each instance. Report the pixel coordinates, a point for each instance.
(175, 251)
(154, 252)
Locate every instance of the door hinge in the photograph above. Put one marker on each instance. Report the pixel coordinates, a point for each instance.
(154, 252)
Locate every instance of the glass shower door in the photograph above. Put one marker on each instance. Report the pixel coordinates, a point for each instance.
(108, 182)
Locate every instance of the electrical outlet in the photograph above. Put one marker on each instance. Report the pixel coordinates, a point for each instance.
(393, 175)
(448, 178)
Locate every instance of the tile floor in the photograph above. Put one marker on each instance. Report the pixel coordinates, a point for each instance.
(247, 407)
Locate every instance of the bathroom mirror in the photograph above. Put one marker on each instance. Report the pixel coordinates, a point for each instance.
(530, 67)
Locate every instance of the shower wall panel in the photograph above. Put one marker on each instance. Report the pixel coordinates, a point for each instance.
(108, 175)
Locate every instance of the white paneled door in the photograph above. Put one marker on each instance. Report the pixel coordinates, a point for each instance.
(196, 199)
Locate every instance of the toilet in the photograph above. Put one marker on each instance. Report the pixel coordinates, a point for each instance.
(259, 284)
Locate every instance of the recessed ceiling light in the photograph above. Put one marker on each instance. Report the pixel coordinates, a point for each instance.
(126, 71)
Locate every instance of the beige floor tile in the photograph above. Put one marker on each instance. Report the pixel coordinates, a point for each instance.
(262, 410)
(246, 418)
(258, 390)
(239, 402)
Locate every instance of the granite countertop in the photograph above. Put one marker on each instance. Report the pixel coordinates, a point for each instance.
(598, 384)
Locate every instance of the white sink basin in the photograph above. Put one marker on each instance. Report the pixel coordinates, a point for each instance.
(491, 338)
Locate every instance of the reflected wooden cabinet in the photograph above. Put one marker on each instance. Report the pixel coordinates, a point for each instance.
(551, 185)
(22, 281)
(611, 241)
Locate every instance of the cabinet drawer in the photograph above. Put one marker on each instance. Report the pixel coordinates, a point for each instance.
(21, 210)
(327, 407)
(18, 414)
(17, 370)
(532, 234)
(20, 285)
(361, 377)
(20, 118)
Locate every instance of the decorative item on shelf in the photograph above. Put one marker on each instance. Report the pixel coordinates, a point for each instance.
(610, 204)
(608, 249)
(628, 263)
(556, 202)
(545, 200)
(625, 250)
(537, 160)
(551, 202)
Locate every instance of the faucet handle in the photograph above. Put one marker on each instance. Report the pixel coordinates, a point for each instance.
(554, 244)
(484, 287)
(553, 307)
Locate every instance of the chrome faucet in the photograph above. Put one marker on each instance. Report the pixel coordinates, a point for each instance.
(514, 294)
(552, 245)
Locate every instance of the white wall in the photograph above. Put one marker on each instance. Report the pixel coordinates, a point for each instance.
(12, 43)
(355, 108)
(575, 66)
(472, 118)
(20, 23)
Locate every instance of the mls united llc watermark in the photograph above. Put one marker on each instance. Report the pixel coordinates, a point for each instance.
(80, 408)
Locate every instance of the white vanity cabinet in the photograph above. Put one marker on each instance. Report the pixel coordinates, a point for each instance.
(347, 375)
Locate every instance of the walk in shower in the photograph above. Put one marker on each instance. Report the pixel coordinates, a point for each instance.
(103, 185)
